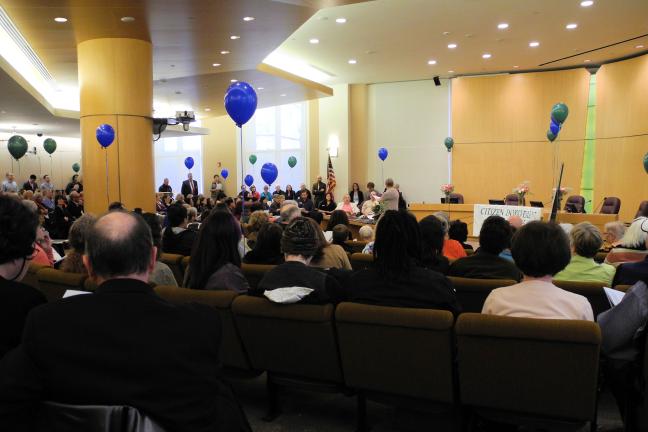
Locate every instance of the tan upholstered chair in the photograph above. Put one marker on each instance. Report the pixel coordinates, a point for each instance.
(540, 372)
(174, 262)
(600, 257)
(360, 261)
(255, 272)
(356, 246)
(401, 355)
(593, 291)
(53, 283)
(233, 354)
(184, 264)
(296, 344)
(31, 277)
(472, 293)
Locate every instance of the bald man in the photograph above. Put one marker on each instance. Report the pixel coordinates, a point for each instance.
(122, 345)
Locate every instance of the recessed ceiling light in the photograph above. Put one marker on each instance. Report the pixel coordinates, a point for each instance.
(587, 3)
(259, 88)
(431, 62)
(353, 61)
(639, 46)
(225, 52)
(587, 61)
(452, 45)
(534, 44)
(515, 67)
(233, 80)
(216, 64)
(571, 26)
(450, 71)
(283, 95)
(60, 19)
(486, 56)
(314, 41)
(234, 37)
(127, 19)
(207, 109)
(502, 26)
(340, 20)
(248, 18)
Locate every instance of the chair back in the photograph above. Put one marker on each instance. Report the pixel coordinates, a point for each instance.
(55, 416)
(360, 261)
(295, 340)
(592, 291)
(174, 261)
(184, 264)
(459, 197)
(254, 273)
(600, 257)
(31, 277)
(540, 367)
(472, 293)
(356, 246)
(397, 351)
(611, 205)
(643, 209)
(512, 200)
(575, 204)
(53, 283)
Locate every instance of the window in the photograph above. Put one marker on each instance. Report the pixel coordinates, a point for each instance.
(170, 154)
(275, 134)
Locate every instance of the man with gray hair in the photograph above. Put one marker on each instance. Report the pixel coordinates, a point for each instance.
(288, 213)
(122, 345)
(391, 196)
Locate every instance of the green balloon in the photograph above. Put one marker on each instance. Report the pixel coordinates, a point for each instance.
(551, 136)
(646, 163)
(76, 167)
(292, 161)
(253, 159)
(49, 145)
(17, 146)
(559, 113)
(449, 143)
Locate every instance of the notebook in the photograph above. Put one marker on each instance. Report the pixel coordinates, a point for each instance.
(614, 296)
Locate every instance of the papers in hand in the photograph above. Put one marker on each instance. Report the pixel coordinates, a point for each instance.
(72, 293)
(287, 295)
(614, 296)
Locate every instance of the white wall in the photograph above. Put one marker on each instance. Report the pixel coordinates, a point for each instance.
(334, 128)
(59, 166)
(410, 119)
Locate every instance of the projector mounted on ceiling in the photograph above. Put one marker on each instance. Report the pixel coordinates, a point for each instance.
(182, 117)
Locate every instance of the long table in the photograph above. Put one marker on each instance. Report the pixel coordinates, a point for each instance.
(464, 212)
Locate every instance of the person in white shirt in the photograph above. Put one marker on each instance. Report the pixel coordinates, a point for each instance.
(540, 250)
(9, 185)
(47, 184)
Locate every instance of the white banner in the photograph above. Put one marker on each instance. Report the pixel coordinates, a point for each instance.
(482, 211)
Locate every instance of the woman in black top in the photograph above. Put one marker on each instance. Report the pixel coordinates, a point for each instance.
(396, 278)
(356, 194)
(267, 248)
(62, 218)
(327, 204)
(290, 193)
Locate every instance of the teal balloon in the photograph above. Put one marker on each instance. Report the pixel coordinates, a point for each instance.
(551, 136)
(292, 161)
(76, 167)
(559, 113)
(49, 145)
(252, 159)
(17, 146)
(449, 143)
(646, 163)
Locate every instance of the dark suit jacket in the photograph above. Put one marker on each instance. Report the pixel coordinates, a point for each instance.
(16, 300)
(29, 186)
(75, 210)
(631, 273)
(360, 198)
(186, 188)
(123, 345)
(483, 265)
(165, 188)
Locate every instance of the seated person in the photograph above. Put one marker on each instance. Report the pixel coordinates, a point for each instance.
(632, 272)
(432, 236)
(341, 234)
(338, 217)
(369, 204)
(275, 205)
(257, 219)
(288, 213)
(540, 250)
(494, 237)
(632, 247)
(585, 243)
(612, 235)
(452, 249)
(73, 260)
(458, 230)
(215, 261)
(18, 226)
(267, 248)
(347, 206)
(396, 278)
(327, 204)
(329, 256)
(366, 234)
(299, 243)
(176, 238)
(161, 273)
(75, 350)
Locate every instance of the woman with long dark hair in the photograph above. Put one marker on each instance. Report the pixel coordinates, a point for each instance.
(432, 236)
(215, 261)
(267, 249)
(338, 217)
(356, 194)
(327, 204)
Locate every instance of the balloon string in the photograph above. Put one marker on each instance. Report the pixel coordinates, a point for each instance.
(242, 176)
(107, 180)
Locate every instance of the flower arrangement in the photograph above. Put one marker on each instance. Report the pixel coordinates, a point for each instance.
(378, 209)
(522, 190)
(447, 188)
(563, 191)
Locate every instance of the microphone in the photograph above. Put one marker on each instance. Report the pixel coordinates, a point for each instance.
(599, 205)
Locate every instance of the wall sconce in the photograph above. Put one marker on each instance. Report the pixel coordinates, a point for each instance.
(333, 145)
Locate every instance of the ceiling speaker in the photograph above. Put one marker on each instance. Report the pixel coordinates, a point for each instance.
(437, 81)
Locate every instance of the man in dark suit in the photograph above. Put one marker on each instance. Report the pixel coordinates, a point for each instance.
(31, 184)
(189, 186)
(122, 345)
(319, 191)
(75, 207)
(165, 186)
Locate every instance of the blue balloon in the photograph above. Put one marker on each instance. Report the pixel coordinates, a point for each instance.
(383, 153)
(105, 135)
(249, 180)
(240, 102)
(269, 172)
(189, 162)
(554, 127)
(224, 173)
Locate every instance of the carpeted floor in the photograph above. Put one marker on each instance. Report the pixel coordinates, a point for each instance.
(317, 412)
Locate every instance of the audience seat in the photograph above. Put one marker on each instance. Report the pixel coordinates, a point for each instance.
(593, 291)
(174, 261)
(527, 371)
(600, 257)
(402, 356)
(611, 205)
(512, 200)
(575, 204)
(296, 344)
(360, 261)
(255, 272)
(184, 264)
(643, 209)
(54, 416)
(472, 293)
(458, 196)
(233, 354)
(53, 283)
(31, 277)
(356, 246)
(623, 288)
(90, 285)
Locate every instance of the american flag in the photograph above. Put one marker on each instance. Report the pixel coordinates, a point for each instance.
(330, 177)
